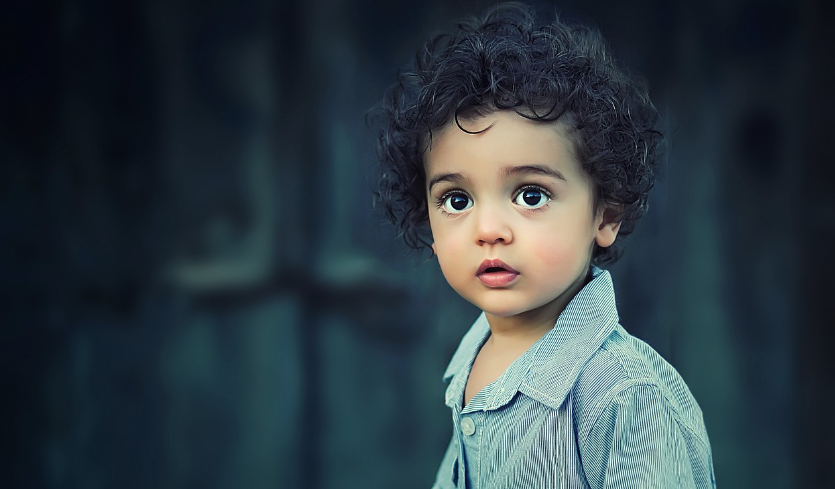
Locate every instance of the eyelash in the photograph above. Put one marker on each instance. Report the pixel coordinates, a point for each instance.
(439, 202)
(538, 188)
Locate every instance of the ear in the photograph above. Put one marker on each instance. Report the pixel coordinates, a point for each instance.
(607, 227)
(434, 251)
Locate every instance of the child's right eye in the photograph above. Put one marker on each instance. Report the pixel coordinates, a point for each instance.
(456, 202)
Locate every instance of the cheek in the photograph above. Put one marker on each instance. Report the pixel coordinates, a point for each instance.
(449, 254)
(561, 250)
(554, 254)
(449, 251)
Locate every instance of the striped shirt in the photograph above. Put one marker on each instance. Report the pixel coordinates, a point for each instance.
(588, 405)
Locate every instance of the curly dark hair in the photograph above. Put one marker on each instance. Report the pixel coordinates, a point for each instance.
(503, 60)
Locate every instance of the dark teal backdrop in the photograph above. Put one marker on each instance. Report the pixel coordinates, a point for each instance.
(195, 291)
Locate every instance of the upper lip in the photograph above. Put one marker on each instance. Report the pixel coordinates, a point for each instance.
(494, 264)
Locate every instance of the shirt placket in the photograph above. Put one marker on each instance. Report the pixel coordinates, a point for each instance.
(454, 394)
(471, 431)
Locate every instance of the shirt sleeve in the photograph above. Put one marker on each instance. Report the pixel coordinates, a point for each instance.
(637, 442)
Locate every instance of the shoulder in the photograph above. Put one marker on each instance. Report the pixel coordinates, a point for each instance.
(636, 420)
(627, 372)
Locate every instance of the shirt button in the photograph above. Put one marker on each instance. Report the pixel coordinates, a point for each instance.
(467, 426)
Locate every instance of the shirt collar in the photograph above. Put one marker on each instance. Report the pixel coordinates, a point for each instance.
(550, 367)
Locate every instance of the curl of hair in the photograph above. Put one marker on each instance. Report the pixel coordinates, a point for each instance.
(503, 61)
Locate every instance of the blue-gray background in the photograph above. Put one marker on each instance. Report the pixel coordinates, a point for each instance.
(196, 293)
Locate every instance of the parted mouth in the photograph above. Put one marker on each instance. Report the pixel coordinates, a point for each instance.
(494, 266)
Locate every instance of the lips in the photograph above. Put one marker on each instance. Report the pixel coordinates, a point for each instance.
(496, 273)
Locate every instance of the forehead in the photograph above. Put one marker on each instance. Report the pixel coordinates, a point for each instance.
(501, 137)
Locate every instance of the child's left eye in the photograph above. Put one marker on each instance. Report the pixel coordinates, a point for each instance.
(532, 197)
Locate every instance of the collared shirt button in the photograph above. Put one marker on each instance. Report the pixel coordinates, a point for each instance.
(467, 426)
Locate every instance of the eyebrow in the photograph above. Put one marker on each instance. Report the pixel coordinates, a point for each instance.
(447, 177)
(535, 169)
(506, 172)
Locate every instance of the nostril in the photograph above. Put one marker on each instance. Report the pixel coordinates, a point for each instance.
(492, 241)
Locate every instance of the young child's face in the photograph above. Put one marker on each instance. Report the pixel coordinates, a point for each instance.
(512, 214)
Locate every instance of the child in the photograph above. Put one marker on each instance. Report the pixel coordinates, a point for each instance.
(526, 152)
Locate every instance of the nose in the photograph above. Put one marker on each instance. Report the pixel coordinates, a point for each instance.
(492, 227)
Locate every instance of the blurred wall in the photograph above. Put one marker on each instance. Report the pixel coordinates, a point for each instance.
(197, 292)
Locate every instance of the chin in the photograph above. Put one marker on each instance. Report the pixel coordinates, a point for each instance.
(504, 312)
(499, 302)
